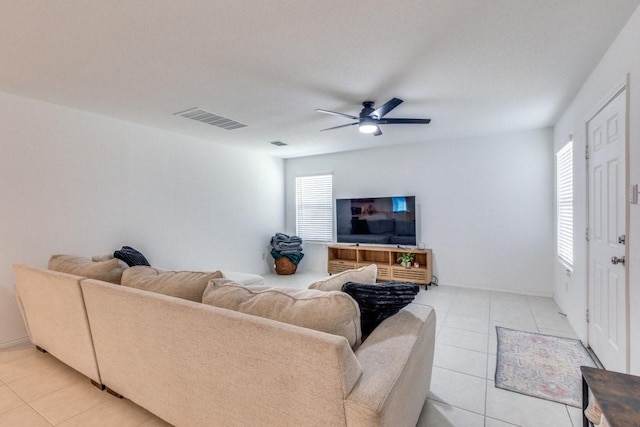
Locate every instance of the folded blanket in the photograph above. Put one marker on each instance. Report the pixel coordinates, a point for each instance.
(288, 251)
(280, 246)
(295, 257)
(286, 244)
(281, 238)
(380, 301)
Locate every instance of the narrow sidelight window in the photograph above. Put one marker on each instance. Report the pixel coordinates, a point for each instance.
(564, 204)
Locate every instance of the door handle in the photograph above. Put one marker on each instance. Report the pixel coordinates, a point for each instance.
(615, 260)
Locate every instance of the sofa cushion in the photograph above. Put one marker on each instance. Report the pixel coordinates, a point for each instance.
(182, 284)
(331, 312)
(377, 302)
(107, 257)
(108, 271)
(365, 274)
(131, 256)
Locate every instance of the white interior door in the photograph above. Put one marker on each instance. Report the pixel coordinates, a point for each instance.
(608, 317)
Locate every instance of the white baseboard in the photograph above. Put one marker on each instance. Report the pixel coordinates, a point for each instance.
(18, 341)
(507, 291)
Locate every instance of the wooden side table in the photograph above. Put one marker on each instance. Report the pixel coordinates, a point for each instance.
(618, 395)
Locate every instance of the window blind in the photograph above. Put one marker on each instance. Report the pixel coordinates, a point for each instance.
(564, 203)
(314, 208)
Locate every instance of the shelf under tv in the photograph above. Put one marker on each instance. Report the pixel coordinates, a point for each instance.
(346, 257)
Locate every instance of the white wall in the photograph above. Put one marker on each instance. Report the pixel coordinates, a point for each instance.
(78, 183)
(485, 204)
(621, 58)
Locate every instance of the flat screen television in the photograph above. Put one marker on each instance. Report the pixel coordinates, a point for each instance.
(377, 220)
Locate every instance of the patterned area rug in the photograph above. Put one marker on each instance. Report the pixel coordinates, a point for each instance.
(542, 366)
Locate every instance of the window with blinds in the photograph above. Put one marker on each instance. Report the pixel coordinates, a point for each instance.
(314, 208)
(564, 204)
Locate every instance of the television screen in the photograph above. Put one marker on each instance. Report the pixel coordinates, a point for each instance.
(378, 220)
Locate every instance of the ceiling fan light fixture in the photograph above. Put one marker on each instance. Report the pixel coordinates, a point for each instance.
(367, 126)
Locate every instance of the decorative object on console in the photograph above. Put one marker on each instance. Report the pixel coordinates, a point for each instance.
(287, 253)
(366, 274)
(131, 256)
(377, 302)
(406, 259)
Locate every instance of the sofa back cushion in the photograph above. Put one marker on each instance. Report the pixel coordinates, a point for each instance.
(109, 270)
(365, 274)
(331, 312)
(182, 284)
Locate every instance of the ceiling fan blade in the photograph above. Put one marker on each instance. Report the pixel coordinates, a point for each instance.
(378, 132)
(341, 126)
(403, 121)
(337, 114)
(385, 108)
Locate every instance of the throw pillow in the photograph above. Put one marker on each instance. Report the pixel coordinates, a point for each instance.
(334, 283)
(107, 257)
(108, 271)
(331, 312)
(377, 302)
(131, 256)
(181, 284)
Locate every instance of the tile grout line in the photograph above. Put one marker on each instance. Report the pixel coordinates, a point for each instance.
(533, 315)
(455, 406)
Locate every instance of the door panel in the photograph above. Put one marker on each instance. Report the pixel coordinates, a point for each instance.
(607, 286)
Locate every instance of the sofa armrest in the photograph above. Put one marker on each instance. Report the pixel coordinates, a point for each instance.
(396, 360)
(54, 314)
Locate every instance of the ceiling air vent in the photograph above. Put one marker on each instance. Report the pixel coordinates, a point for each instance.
(278, 143)
(209, 118)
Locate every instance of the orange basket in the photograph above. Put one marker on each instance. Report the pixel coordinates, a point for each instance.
(285, 266)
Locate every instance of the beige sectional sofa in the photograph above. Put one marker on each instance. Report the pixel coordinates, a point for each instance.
(194, 364)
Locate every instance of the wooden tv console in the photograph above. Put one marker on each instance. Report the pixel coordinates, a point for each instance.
(345, 257)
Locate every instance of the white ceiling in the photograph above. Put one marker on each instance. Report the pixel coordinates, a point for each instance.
(474, 67)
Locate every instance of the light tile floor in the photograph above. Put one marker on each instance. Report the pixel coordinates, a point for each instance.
(38, 390)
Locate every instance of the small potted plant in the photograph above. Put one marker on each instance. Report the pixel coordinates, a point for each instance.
(406, 259)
